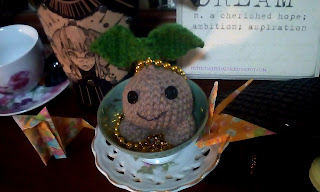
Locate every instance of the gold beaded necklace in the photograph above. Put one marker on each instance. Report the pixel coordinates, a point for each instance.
(153, 143)
(159, 63)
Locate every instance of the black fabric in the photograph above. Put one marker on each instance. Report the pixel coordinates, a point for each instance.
(285, 107)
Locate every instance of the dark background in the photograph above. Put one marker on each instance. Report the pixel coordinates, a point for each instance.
(272, 163)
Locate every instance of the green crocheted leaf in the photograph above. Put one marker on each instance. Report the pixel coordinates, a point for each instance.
(145, 49)
(121, 48)
(118, 46)
(171, 41)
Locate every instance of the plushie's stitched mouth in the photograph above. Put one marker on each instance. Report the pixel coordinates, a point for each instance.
(152, 119)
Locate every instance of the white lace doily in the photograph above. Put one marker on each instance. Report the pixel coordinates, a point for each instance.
(189, 167)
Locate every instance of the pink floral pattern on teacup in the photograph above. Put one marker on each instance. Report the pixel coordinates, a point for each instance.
(16, 81)
(19, 80)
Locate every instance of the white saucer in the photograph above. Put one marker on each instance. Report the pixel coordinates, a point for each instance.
(13, 105)
(188, 168)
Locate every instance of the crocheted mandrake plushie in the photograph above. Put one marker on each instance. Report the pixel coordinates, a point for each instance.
(157, 101)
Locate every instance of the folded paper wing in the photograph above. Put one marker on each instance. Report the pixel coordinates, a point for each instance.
(50, 135)
(228, 129)
(223, 128)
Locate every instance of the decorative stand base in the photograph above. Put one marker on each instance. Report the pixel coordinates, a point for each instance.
(172, 173)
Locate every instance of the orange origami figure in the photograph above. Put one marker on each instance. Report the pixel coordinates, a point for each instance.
(224, 128)
(50, 135)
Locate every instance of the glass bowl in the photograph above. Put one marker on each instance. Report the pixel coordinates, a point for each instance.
(112, 105)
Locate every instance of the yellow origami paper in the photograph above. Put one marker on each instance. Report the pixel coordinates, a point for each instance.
(50, 135)
(224, 128)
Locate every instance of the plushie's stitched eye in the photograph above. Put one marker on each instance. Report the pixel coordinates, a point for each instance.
(132, 97)
(171, 92)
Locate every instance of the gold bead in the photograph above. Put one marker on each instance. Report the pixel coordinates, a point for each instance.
(121, 140)
(140, 63)
(129, 145)
(182, 73)
(116, 133)
(118, 123)
(158, 62)
(179, 70)
(136, 146)
(138, 68)
(167, 65)
(116, 128)
(174, 68)
(148, 61)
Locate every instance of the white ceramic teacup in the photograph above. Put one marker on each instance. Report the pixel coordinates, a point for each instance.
(21, 59)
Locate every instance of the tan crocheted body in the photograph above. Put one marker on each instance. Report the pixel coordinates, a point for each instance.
(153, 112)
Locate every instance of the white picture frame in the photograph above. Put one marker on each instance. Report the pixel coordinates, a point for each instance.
(260, 39)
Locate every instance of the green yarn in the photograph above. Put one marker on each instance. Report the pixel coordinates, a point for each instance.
(172, 41)
(120, 47)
